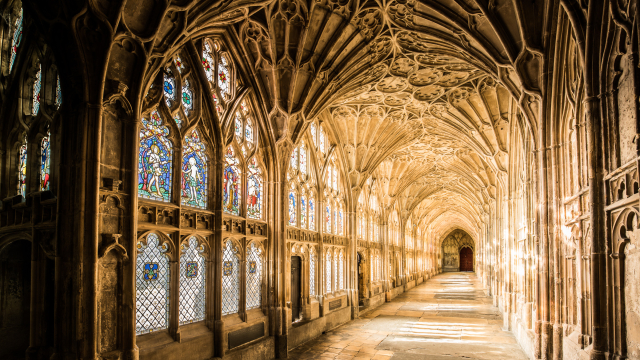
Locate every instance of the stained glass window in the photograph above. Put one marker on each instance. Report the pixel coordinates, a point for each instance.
(169, 88)
(312, 214)
(194, 171)
(248, 132)
(327, 219)
(303, 212)
(192, 282)
(224, 77)
(230, 279)
(312, 271)
(178, 120)
(255, 190)
(294, 159)
(313, 134)
(154, 160)
(17, 39)
(37, 84)
(22, 168)
(187, 97)
(292, 209)
(335, 221)
(179, 63)
(231, 183)
(303, 159)
(58, 93)
(335, 270)
(335, 177)
(327, 274)
(238, 127)
(45, 162)
(341, 270)
(254, 276)
(208, 62)
(321, 136)
(340, 227)
(152, 286)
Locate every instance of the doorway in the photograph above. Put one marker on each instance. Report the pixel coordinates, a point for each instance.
(360, 281)
(296, 293)
(15, 299)
(466, 259)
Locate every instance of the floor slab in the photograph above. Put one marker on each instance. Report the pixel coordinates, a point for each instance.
(447, 317)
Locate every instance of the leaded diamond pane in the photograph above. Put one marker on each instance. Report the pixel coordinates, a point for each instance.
(230, 279)
(254, 276)
(341, 271)
(152, 286)
(327, 274)
(312, 273)
(192, 282)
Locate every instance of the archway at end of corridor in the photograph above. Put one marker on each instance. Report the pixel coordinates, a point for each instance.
(457, 249)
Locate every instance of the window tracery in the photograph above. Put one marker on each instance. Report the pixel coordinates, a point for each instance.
(37, 86)
(155, 159)
(312, 271)
(16, 39)
(45, 161)
(194, 171)
(22, 167)
(327, 273)
(219, 70)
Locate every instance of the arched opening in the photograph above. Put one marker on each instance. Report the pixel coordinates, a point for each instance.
(466, 259)
(296, 294)
(361, 294)
(15, 299)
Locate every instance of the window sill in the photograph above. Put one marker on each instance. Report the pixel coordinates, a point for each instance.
(154, 339)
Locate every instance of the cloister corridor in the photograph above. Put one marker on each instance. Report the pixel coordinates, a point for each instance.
(448, 317)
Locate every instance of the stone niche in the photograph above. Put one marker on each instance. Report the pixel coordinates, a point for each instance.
(451, 247)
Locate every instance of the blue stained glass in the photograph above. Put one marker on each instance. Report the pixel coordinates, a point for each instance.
(255, 190)
(17, 39)
(248, 132)
(238, 128)
(154, 160)
(194, 171)
(231, 183)
(45, 162)
(22, 168)
(178, 121)
(187, 97)
(303, 211)
(292, 210)
(150, 271)
(335, 223)
(169, 88)
(312, 215)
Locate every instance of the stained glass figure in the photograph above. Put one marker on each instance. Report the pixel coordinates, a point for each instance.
(192, 282)
(154, 160)
(238, 127)
(312, 271)
(327, 274)
(292, 209)
(254, 189)
(303, 158)
(208, 62)
(303, 212)
(340, 227)
(231, 183)
(314, 135)
(294, 159)
(254, 276)
(169, 88)
(230, 279)
(341, 270)
(58, 93)
(179, 63)
(22, 168)
(37, 85)
(312, 214)
(327, 219)
(45, 162)
(224, 77)
(16, 40)
(152, 286)
(187, 97)
(248, 132)
(194, 171)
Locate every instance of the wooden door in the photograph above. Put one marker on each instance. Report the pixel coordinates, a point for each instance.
(295, 287)
(466, 259)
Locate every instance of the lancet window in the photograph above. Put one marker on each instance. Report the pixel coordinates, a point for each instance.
(45, 162)
(254, 276)
(302, 188)
(334, 200)
(192, 281)
(230, 278)
(16, 40)
(152, 284)
(220, 72)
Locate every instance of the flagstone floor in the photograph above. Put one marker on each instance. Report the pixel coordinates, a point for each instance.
(449, 317)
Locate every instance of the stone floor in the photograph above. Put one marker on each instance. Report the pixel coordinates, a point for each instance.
(449, 317)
